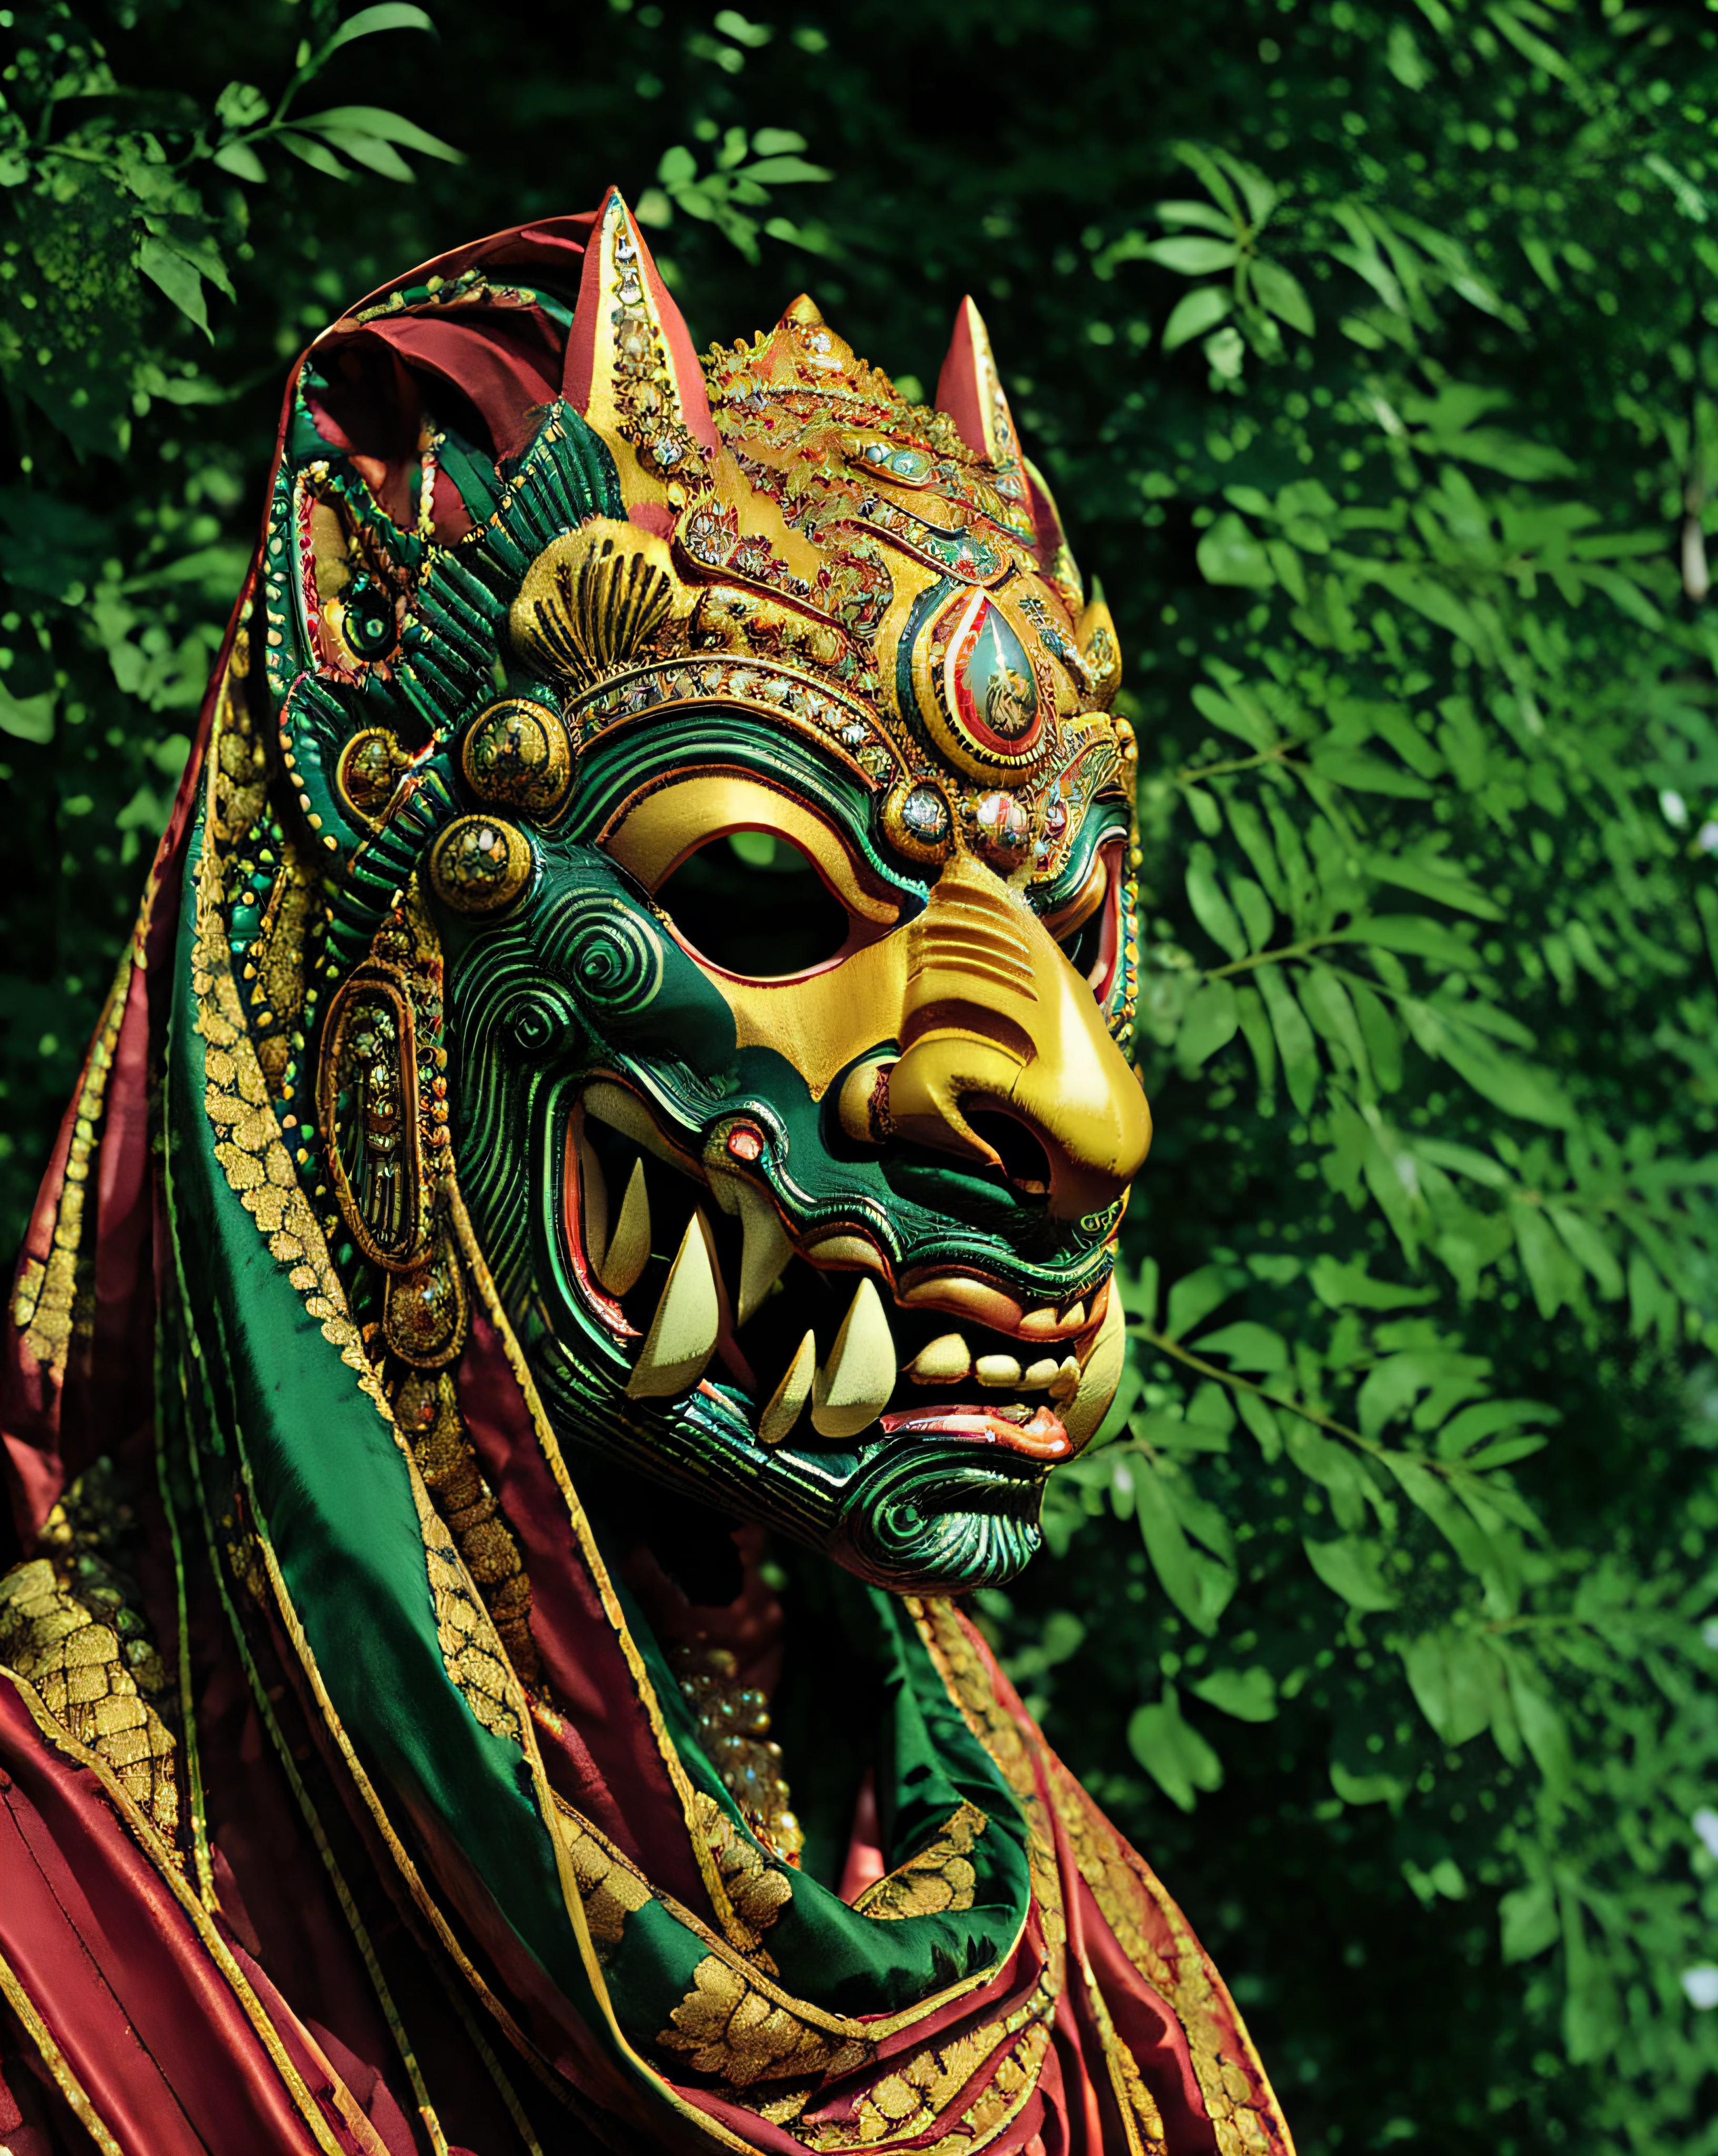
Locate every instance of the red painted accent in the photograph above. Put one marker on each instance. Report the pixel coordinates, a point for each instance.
(587, 327)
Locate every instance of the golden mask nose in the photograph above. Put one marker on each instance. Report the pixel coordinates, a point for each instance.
(995, 1020)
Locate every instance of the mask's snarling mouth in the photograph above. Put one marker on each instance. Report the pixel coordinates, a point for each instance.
(696, 1280)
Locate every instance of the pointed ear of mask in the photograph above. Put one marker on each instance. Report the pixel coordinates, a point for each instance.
(630, 367)
(970, 390)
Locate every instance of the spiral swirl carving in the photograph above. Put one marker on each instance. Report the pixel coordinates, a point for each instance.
(934, 1516)
(609, 952)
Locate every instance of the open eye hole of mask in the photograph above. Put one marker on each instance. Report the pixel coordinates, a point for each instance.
(753, 904)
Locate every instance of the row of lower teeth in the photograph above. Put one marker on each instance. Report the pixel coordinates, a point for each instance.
(948, 1360)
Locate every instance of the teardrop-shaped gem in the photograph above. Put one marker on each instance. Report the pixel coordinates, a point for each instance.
(995, 692)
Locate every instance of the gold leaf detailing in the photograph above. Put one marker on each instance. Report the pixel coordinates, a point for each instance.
(470, 1649)
(758, 1891)
(480, 865)
(426, 1410)
(591, 598)
(940, 1878)
(248, 1147)
(367, 1104)
(1099, 652)
(54, 1302)
(93, 1671)
(729, 2028)
(609, 1888)
(1000, 2060)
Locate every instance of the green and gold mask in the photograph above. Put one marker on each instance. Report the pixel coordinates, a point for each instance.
(728, 842)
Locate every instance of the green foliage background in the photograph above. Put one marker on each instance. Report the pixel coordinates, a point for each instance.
(1373, 350)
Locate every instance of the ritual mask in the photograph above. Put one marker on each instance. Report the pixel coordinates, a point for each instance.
(731, 938)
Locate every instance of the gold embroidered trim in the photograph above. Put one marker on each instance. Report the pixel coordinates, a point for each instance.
(52, 1304)
(1238, 2098)
(729, 2027)
(611, 1889)
(93, 1681)
(940, 1878)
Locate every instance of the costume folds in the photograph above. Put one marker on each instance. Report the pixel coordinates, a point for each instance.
(385, 1751)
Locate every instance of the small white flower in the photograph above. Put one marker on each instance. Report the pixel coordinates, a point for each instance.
(1701, 1986)
(1674, 808)
(1705, 1826)
(1706, 838)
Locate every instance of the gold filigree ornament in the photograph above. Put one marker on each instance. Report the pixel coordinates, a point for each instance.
(592, 600)
(517, 756)
(481, 865)
(380, 1101)
(917, 820)
(368, 773)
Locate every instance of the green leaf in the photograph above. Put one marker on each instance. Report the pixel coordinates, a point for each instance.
(1485, 1419)
(1586, 1243)
(368, 150)
(1552, 1274)
(241, 105)
(1209, 1023)
(1454, 1674)
(1282, 295)
(1255, 1030)
(239, 159)
(786, 172)
(1196, 1295)
(1211, 909)
(1247, 1345)
(387, 15)
(1432, 879)
(27, 718)
(1248, 1695)
(1383, 1033)
(1192, 257)
(1349, 1287)
(1196, 313)
(385, 127)
(1173, 1752)
(179, 278)
(315, 154)
(1325, 1001)
(1200, 1587)
(1528, 1921)
(1194, 213)
(777, 142)
(1293, 1037)
(1364, 773)
(1230, 554)
(1416, 935)
(1352, 1568)
(1429, 1493)
(1366, 1788)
